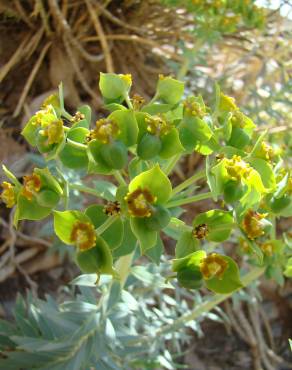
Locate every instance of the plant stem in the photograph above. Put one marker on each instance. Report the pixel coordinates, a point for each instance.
(128, 101)
(76, 145)
(205, 307)
(197, 176)
(195, 198)
(106, 224)
(119, 178)
(171, 164)
(85, 189)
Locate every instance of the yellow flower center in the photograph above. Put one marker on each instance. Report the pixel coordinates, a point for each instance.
(77, 117)
(7, 195)
(137, 101)
(213, 265)
(157, 125)
(237, 168)
(194, 108)
(105, 130)
(200, 231)
(83, 235)
(112, 208)
(54, 131)
(252, 225)
(267, 249)
(139, 202)
(31, 185)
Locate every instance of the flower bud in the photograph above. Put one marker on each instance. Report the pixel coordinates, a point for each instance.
(8, 196)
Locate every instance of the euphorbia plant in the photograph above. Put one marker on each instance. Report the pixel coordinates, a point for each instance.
(137, 145)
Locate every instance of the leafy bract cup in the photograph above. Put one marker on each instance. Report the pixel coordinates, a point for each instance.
(92, 252)
(145, 203)
(217, 272)
(35, 198)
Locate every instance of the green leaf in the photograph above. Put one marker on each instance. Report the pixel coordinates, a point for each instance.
(147, 238)
(30, 209)
(229, 282)
(156, 108)
(187, 262)
(171, 144)
(64, 221)
(113, 86)
(113, 235)
(73, 157)
(266, 172)
(169, 90)
(48, 180)
(155, 252)
(194, 131)
(288, 269)
(96, 162)
(127, 123)
(11, 177)
(30, 131)
(128, 243)
(155, 181)
(86, 110)
(219, 224)
(186, 245)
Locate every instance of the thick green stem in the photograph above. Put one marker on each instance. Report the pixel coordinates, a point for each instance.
(128, 101)
(85, 189)
(119, 178)
(76, 145)
(195, 198)
(203, 308)
(171, 164)
(197, 176)
(101, 229)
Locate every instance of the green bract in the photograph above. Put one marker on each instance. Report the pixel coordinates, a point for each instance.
(137, 144)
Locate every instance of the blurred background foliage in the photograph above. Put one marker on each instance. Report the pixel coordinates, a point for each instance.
(247, 50)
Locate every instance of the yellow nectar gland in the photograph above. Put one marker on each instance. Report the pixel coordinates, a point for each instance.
(38, 117)
(54, 131)
(126, 78)
(157, 125)
(83, 235)
(267, 151)
(200, 231)
(8, 196)
(194, 108)
(105, 130)
(213, 266)
(31, 185)
(251, 224)
(237, 168)
(139, 202)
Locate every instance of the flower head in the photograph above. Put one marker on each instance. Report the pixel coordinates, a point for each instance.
(200, 231)
(112, 208)
(77, 117)
(237, 168)
(105, 130)
(157, 125)
(267, 248)
(213, 265)
(137, 101)
(83, 235)
(194, 107)
(8, 196)
(54, 131)
(139, 202)
(31, 185)
(252, 224)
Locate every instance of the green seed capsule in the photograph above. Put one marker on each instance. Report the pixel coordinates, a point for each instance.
(233, 191)
(190, 278)
(159, 218)
(149, 146)
(279, 204)
(115, 154)
(47, 198)
(239, 138)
